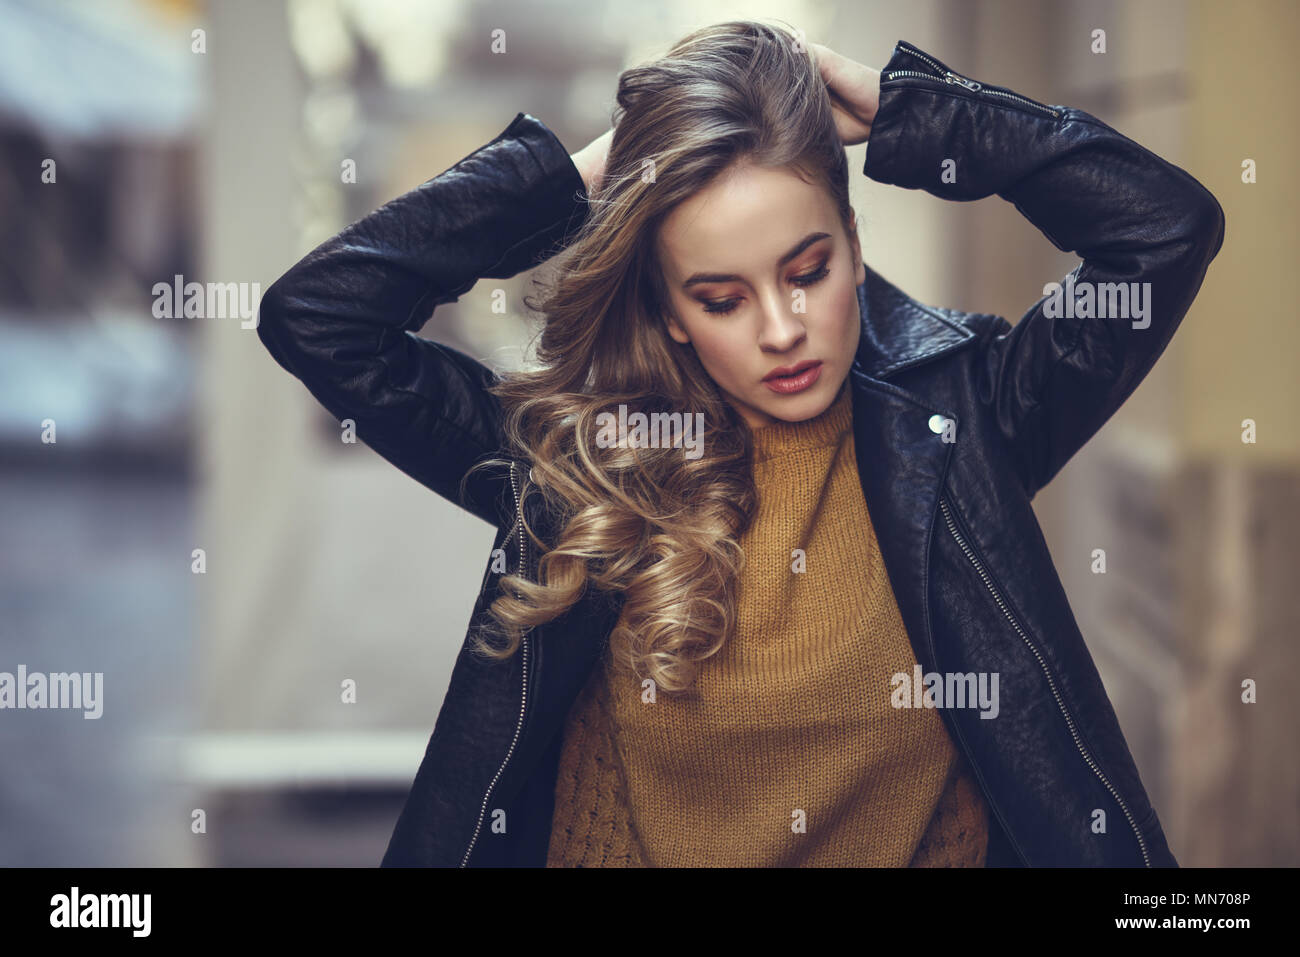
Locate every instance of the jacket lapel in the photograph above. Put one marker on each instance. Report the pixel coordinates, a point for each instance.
(899, 332)
(901, 459)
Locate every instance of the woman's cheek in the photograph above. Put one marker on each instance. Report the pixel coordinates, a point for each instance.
(846, 307)
(728, 352)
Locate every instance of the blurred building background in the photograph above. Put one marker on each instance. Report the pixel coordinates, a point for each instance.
(208, 140)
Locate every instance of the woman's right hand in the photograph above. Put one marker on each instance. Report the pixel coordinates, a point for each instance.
(590, 160)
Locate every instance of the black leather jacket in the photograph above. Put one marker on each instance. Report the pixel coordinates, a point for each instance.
(968, 563)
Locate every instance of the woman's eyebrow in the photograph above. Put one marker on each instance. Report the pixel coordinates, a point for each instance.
(800, 246)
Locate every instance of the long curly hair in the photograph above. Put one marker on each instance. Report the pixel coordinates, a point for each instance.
(655, 525)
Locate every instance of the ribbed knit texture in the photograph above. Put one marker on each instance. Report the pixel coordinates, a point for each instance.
(786, 751)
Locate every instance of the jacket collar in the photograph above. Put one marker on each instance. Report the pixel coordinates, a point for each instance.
(898, 331)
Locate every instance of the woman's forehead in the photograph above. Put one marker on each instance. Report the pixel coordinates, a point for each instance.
(744, 220)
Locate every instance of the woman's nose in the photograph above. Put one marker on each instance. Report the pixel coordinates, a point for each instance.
(783, 326)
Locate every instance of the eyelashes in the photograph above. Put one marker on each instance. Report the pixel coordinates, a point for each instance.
(724, 306)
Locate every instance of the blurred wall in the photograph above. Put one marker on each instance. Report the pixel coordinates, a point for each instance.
(1236, 780)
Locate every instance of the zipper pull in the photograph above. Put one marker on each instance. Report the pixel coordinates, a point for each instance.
(951, 77)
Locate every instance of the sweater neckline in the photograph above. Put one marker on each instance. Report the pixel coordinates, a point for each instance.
(781, 438)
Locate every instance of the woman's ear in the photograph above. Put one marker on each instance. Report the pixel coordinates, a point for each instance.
(859, 268)
(675, 329)
(666, 310)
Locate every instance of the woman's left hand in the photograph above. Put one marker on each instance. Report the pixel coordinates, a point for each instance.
(591, 160)
(855, 93)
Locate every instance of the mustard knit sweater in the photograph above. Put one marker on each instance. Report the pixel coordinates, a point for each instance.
(786, 751)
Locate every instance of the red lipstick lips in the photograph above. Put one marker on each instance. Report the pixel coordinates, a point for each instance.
(787, 380)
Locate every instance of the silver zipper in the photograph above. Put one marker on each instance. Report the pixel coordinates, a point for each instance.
(1012, 96)
(519, 513)
(941, 72)
(523, 697)
(938, 67)
(893, 73)
(975, 562)
(950, 77)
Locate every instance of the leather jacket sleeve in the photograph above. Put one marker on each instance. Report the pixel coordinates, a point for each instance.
(1053, 379)
(344, 319)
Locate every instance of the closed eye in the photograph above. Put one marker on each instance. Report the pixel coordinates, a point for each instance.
(807, 279)
(724, 306)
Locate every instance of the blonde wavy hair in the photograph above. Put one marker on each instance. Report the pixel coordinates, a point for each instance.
(649, 523)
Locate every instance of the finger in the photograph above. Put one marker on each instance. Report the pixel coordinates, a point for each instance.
(830, 64)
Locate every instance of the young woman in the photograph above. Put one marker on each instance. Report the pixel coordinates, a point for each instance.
(823, 629)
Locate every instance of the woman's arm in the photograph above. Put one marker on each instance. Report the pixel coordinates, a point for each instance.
(344, 319)
(1139, 223)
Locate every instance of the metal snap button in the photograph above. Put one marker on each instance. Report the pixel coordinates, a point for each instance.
(938, 423)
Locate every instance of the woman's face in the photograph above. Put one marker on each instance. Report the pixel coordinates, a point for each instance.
(761, 276)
